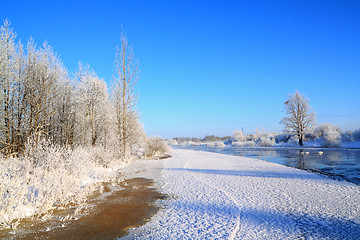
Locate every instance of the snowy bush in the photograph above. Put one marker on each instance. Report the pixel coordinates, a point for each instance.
(47, 176)
(329, 135)
(257, 134)
(238, 136)
(219, 144)
(156, 147)
(265, 142)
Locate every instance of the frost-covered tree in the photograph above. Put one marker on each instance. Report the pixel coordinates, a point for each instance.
(92, 107)
(257, 134)
(300, 117)
(65, 121)
(43, 72)
(125, 99)
(137, 140)
(7, 85)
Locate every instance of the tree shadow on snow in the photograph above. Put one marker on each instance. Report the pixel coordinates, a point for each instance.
(297, 226)
(262, 174)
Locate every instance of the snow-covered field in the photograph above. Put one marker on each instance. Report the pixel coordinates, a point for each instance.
(214, 196)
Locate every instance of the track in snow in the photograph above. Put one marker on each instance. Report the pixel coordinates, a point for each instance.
(233, 199)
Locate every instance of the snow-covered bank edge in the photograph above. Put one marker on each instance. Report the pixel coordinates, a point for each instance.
(298, 200)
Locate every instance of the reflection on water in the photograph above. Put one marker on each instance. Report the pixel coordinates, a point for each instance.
(340, 164)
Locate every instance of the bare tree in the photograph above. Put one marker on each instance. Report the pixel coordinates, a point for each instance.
(125, 99)
(300, 117)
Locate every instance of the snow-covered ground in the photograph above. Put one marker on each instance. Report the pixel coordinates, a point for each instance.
(214, 196)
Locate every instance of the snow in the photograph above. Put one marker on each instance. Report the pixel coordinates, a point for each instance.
(214, 196)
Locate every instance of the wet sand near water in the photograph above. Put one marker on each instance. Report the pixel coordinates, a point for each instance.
(109, 218)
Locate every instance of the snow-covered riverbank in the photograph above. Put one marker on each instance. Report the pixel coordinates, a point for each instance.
(212, 196)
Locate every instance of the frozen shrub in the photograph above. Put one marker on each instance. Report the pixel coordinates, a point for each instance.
(47, 176)
(156, 147)
(329, 135)
(219, 144)
(266, 142)
(238, 136)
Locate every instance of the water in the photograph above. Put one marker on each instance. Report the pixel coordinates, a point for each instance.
(340, 164)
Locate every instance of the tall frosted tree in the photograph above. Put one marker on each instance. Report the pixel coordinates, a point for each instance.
(93, 108)
(7, 75)
(125, 99)
(300, 116)
(43, 73)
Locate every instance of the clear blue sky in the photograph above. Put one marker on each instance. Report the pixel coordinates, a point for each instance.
(211, 67)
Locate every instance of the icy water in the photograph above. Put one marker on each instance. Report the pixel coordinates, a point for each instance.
(340, 164)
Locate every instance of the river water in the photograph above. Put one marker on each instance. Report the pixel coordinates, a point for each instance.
(340, 164)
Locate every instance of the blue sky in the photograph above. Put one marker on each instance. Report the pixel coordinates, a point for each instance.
(211, 67)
